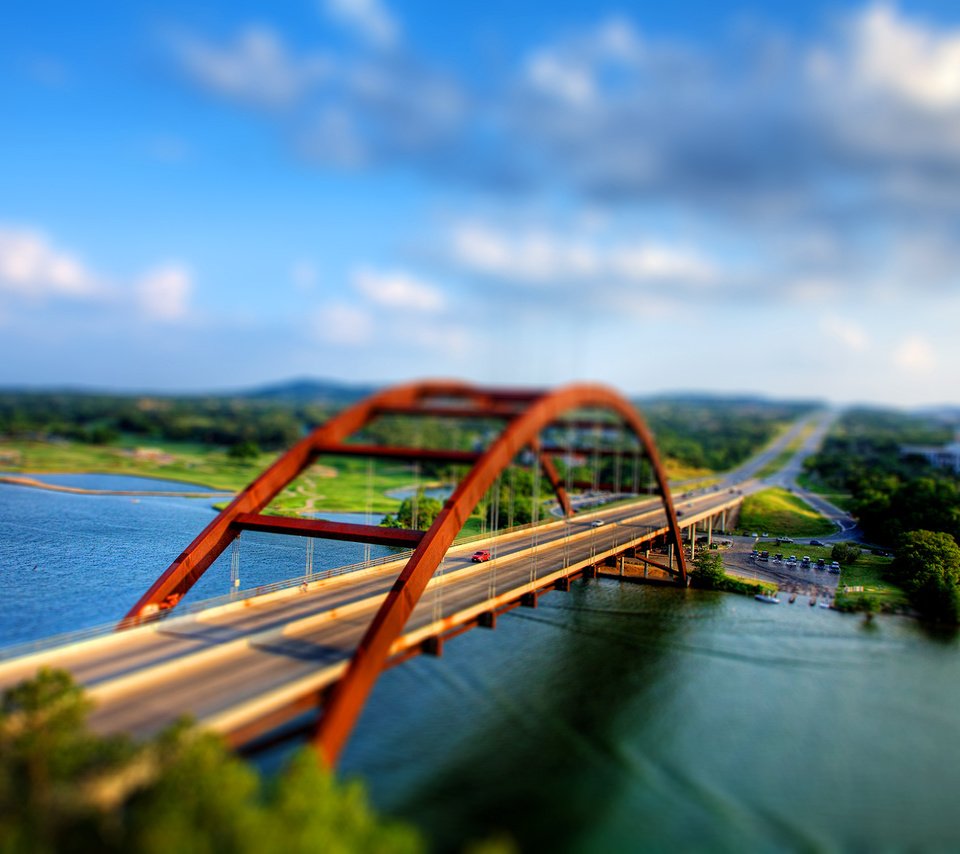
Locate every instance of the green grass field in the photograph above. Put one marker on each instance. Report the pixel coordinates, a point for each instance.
(334, 485)
(782, 513)
(843, 500)
(868, 572)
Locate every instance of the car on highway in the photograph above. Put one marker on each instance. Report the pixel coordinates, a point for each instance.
(596, 523)
(817, 543)
(481, 556)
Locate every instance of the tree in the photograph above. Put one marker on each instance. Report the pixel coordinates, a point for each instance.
(418, 512)
(845, 553)
(708, 570)
(927, 566)
(244, 452)
(64, 789)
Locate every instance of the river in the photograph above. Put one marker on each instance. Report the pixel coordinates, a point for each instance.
(614, 717)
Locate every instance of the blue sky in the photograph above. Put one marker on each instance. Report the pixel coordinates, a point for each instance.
(759, 197)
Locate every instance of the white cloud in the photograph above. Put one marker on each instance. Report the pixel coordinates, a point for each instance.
(257, 67)
(914, 355)
(552, 75)
(370, 19)
(573, 70)
(32, 266)
(343, 324)
(164, 292)
(848, 333)
(539, 257)
(906, 58)
(398, 290)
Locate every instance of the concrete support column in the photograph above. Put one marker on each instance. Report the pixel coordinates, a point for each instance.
(670, 555)
(693, 540)
(710, 531)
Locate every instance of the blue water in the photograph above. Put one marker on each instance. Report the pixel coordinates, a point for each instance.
(612, 718)
(70, 561)
(627, 718)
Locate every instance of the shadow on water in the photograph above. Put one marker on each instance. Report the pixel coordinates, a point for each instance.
(942, 633)
(536, 718)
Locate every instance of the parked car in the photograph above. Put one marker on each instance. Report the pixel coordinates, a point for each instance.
(481, 556)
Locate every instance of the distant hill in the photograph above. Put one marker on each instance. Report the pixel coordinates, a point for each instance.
(310, 391)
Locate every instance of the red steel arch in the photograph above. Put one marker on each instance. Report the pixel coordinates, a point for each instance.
(348, 697)
(526, 412)
(190, 565)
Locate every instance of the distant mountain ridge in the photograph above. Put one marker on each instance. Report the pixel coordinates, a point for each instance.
(306, 390)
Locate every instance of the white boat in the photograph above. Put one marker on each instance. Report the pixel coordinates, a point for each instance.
(765, 597)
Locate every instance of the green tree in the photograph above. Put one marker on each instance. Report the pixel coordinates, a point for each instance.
(707, 571)
(418, 512)
(845, 553)
(927, 566)
(244, 451)
(64, 789)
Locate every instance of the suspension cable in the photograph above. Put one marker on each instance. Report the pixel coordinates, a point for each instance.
(235, 566)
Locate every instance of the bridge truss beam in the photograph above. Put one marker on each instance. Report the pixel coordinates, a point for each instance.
(526, 414)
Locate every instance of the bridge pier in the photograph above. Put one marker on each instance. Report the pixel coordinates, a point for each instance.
(562, 584)
(433, 646)
(487, 620)
(529, 600)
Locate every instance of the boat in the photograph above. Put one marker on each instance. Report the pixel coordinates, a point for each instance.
(766, 597)
(824, 603)
(793, 598)
(813, 601)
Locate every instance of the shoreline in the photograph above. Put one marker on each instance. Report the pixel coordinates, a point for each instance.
(33, 483)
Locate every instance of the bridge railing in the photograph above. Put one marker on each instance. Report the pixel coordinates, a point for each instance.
(188, 609)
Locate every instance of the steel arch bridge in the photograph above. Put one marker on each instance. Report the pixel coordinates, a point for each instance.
(524, 413)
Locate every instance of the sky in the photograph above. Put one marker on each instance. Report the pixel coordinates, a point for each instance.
(757, 197)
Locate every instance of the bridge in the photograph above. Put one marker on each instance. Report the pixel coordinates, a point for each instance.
(303, 658)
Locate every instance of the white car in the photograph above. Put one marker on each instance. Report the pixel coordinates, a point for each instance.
(596, 523)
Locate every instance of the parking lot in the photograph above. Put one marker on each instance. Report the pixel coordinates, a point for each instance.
(789, 578)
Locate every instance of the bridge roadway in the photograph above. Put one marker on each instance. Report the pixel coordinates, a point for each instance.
(244, 667)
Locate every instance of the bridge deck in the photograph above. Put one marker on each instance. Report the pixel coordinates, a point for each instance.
(241, 668)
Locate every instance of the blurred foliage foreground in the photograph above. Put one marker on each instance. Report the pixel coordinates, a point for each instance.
(64, 789)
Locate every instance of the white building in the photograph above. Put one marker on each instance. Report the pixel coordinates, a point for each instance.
(940, 456)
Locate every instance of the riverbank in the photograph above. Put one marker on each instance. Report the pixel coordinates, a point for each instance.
(33, 483)
(330, 485)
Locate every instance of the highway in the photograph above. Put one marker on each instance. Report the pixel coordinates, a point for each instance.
(231, 665)
(237, 665)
